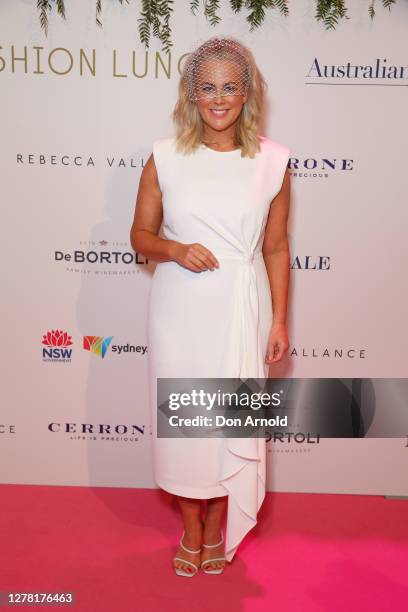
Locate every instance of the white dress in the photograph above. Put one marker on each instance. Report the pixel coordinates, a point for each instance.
(214, 324)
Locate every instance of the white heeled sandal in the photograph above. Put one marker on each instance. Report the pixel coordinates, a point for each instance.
(178, 570)
(208, 561)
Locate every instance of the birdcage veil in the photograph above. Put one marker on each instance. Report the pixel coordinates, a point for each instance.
(248, 79)
(219, 66)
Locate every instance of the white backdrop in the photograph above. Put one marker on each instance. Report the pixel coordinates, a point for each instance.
(72, 147)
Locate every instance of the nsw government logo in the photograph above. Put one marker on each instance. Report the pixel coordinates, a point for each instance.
(56, 346)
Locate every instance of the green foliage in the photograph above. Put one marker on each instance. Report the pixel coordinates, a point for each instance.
(44, 6)
(155, 15)
(210, 11)
(330, 11)
(386, 4)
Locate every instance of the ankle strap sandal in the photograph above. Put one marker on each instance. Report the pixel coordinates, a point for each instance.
(209, 561)
(178, 570)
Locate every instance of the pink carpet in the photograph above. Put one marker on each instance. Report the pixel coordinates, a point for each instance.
(113, 547)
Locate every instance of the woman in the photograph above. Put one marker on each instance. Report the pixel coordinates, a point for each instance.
(218, 297)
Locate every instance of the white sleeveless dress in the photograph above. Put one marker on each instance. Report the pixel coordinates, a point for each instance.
(214, 324)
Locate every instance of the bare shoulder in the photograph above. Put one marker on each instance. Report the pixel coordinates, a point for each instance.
(148, 176)
(149, 167)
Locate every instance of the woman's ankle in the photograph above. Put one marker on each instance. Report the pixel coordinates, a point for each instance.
(212, 533)
(193, 534)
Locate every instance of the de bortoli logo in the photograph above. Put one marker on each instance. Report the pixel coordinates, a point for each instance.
(100, 258)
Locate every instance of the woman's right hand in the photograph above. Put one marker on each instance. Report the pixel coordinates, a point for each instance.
(195, 257)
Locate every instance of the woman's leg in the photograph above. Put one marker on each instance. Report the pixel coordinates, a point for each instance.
(212, 531)
(193, 526)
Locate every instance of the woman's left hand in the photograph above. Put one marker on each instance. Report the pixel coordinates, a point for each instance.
(278, 343)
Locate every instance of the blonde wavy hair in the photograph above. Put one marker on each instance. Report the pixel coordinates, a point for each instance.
(186, 116)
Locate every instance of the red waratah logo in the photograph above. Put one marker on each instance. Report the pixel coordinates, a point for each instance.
(57, 337)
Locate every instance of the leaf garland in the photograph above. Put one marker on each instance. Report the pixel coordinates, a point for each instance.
(155, 15)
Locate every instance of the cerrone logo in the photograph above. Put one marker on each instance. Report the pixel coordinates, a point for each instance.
(309, 167)
(380, 71)
(117, 432)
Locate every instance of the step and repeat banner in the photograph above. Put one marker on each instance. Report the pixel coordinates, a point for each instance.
(80, 109)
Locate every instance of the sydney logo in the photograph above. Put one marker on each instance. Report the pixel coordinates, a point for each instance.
(97, 344)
